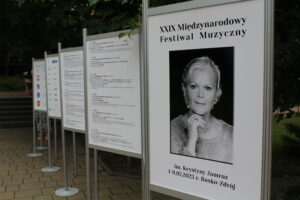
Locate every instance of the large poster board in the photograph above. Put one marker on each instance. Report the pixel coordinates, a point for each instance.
(39, 85)
(113, 93)
(72, 89)
(53, 86)
(206, 93)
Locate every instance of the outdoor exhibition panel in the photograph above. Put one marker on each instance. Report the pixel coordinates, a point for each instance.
(39, 85)
(72, 89)
(113, 93)
(210, 90)
(53, 87)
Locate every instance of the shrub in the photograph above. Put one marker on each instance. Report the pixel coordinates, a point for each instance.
(11, 83)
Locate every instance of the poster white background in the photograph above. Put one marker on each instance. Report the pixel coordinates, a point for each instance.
(245, 173)
(113, 73)
(53, 87)
(39, 85)
(72, 89)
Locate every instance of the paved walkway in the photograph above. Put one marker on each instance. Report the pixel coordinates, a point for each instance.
(21, 177)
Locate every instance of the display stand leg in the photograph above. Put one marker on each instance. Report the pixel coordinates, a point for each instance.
(75, 154)
(55, 140)
(88, 169)
(66, 191)
(96, 174)
(34, 154)
(146, 195)
(50, 168)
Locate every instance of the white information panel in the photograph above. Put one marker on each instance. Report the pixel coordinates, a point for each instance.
(53, 87)
(206, 80)
(72, 89)
(113, 74)
(39, 85)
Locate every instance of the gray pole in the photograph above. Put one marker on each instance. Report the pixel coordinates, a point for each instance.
(55, 140)
(268, 101)
(49, 143)
(96, 174)
(87, 151)
(34, 133)
(64, 159)
(144, 105)
(74, 154)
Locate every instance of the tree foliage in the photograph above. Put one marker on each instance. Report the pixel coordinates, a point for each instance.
(287, 54)
(29, 27)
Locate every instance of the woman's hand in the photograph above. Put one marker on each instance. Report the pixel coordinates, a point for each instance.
(195, 123)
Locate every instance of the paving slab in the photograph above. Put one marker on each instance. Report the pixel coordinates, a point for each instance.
(21, 177)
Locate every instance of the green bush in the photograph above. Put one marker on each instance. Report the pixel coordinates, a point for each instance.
(286, 147)
(292, 193)
(11, 83)
(292, 140)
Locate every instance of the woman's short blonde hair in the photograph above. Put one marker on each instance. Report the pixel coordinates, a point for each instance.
(205, 61)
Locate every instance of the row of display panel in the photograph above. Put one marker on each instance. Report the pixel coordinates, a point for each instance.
(205, 91)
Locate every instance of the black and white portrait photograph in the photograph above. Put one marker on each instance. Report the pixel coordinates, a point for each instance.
(201, 103)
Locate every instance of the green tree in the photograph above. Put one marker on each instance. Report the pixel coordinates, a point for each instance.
(287, 54)
(32, 26)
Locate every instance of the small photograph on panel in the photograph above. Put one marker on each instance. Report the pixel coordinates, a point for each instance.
(201, 103)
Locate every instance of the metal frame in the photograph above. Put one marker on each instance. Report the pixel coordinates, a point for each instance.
(116, 151)
(74, 130)
(268, 99)
(145, 191)
(268, 85)
(144, 104)
(50, 168)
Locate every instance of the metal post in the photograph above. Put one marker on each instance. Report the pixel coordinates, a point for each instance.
(96, 174)
(74, 154)
(268, 101)
(49, 142)
(64, 159)
(51, 168)
(34, 154)
(87, 151)
(66, 191)
(144, 105)
(55, 140)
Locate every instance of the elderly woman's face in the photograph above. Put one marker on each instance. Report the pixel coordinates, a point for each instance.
(201, 88)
